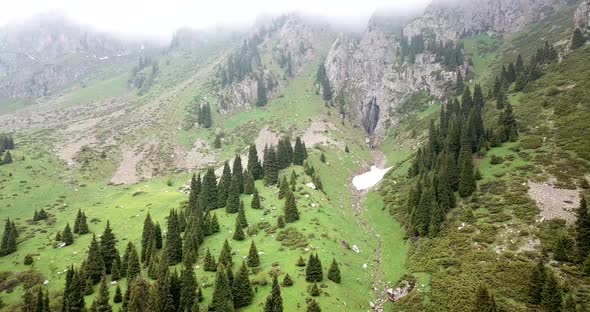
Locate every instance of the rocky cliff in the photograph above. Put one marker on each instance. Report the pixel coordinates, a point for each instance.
(44, 54)
(284, 47)
(372, 78)
(582, 16)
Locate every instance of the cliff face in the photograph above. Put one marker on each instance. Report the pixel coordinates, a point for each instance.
(45, 54)
(582, 16)
(452, 20)
(373, 80)
(285, 48)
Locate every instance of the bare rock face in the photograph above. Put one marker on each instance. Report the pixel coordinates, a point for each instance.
(369, 75)
(453, 19)
(291, 39)
(582, 16)
(47, 53)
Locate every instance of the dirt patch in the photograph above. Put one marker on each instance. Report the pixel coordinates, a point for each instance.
(129, 169)
(68, 150)
(317, 133)
(265, 137)
(199, 156)
(554, 203)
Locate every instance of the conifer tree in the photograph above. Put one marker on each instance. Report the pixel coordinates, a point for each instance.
(239, 231)
(75, 297)
(147, 234)
(205, 118)
(274, 301)
(314, 290)
(242, 215)
(94, 267)
(261, 93)
(66, 236)
(537, 281)
(158, 235)
(254, 166)
(116, 269)
(287, 280)
(233, 198)
(582, 226)
(253, 257)
(138, 294)
(118, 297)
(8, 244)
(334, 272)
(551, 294)
(484, 301)
(28, 301)
(298, 152)
(313, 306)
(237, 173)
(283, 187)
(223, 185)
(248, 183)
(225, 257)
(255, 204)
(209, 264)
(133, 266)
(290, 209)
(222, 293)
(313, 271)
(173, 239)
(214, 224)
(209, 190)
(459, 85)
(467, 183)
(188, 289)
(102, 299)
(7, 158)
(242, 290)
(578, 39)
(271, 171)
(108, 247)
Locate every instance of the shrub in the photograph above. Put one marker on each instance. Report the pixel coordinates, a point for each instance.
(496, 160)
(28, 260)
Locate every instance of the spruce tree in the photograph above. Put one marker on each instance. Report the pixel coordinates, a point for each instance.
(239, 231)
(582, 226)
(225, 257)
(334, 272)
(133, 266)
(158, 235)
(248, 183)
(281, 222)
(271, 171)
(8, 244)
(290, 208)
(102, 299)
(274, 301)
(75, 296)
(536, 283)
(76, 223)
(242, 215)
(214, 224)
(255, 204)
(94, 267)
(313, 306)
(313, 271)
(283, 187)
(237, 173)
(209, 190)
(66, 236)
(459, 84)
(147, 234)
(173, 239)
(188, 289)
(467, 183)
(298, 152)
(116, 270)
(222, 294)
(233, 198)
(108, 247)
(253, 257)
(217, 142)
(287, 280)
(261, 93)
(138, 294)
(118, 297)
(578, 39)
(551, 294)
(209, 264)
(242, 290)
(484, 301)
(254, 166)
(7, 158)
(314, 290)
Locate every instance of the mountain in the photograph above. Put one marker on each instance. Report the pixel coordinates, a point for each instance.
(474, 113)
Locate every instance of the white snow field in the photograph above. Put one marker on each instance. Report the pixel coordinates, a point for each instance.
(369, 179)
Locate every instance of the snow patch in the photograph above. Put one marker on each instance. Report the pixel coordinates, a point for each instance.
(369, 179)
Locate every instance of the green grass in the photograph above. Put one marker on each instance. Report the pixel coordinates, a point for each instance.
(94, 91)
(481, 49)
(9, 105)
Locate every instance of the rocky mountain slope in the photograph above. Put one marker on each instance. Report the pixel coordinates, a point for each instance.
(374, 78)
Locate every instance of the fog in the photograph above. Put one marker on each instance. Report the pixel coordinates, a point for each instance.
(159, 19)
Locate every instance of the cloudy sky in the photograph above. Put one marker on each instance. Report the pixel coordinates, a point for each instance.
(162, 17)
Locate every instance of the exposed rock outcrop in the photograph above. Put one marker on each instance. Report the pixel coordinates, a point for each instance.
(582, 16)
